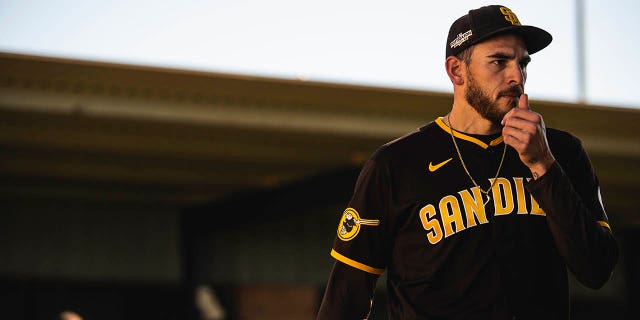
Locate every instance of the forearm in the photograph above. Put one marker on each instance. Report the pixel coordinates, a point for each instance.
(585, 243)
(348, 294)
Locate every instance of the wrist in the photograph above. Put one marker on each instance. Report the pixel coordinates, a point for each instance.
(541, 167)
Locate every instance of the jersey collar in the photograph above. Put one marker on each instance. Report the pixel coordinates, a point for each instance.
(466, 137)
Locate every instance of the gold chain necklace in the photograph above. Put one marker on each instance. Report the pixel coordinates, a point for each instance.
(485, 192)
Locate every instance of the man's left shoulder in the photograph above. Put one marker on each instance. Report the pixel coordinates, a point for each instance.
(562, 139)
(566, 147)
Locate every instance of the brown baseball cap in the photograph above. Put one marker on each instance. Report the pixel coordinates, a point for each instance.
(484, 22)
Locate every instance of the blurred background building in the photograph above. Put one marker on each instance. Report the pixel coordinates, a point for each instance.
(148, 189)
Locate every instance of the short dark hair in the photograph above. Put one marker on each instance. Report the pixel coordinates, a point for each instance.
(465, 55)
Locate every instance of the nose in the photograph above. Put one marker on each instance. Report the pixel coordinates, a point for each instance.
(517, 74)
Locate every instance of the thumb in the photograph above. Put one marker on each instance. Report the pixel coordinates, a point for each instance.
(523, 103)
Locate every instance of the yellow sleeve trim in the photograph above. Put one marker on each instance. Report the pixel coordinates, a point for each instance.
(356, 264)
(605, 224)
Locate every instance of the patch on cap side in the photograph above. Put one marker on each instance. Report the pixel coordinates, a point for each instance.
(460, 39)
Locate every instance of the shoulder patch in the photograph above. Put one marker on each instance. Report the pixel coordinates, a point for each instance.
(350, 223)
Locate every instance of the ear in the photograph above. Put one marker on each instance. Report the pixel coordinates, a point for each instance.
(455, 70)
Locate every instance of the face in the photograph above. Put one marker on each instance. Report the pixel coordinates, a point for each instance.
(496, 75)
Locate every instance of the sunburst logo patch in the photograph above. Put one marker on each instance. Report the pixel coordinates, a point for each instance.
(350, 223)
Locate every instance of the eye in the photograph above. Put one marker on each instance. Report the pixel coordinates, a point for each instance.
(498, 62)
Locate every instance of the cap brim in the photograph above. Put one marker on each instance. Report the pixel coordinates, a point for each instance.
(535, 38)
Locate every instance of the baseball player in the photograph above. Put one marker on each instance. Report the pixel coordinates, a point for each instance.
(480, 213)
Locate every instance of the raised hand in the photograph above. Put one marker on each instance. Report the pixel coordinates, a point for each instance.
(524, 130)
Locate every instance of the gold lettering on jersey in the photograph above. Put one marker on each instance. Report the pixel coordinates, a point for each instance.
(510, 16)
(456, 213)
(434, 234)
(502, 196)
(451, 215)
(535, 207)
(522, 203)
(473, 207)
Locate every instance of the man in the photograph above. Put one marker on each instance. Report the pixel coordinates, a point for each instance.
(479, 214)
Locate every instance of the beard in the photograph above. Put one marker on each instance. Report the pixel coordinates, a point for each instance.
(486, 106)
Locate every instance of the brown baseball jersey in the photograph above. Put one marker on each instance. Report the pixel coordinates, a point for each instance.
(452, 252)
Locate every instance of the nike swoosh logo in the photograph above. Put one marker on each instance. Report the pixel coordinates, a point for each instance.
(435, 167)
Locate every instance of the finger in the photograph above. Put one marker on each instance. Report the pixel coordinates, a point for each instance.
(508, 115)
(513, 142)
(523, 103)
(523, 136)
(525, 114)
(520, 123)
(522, 111)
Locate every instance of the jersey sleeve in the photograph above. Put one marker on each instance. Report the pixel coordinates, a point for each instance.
(569, 193)
(361, 240)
